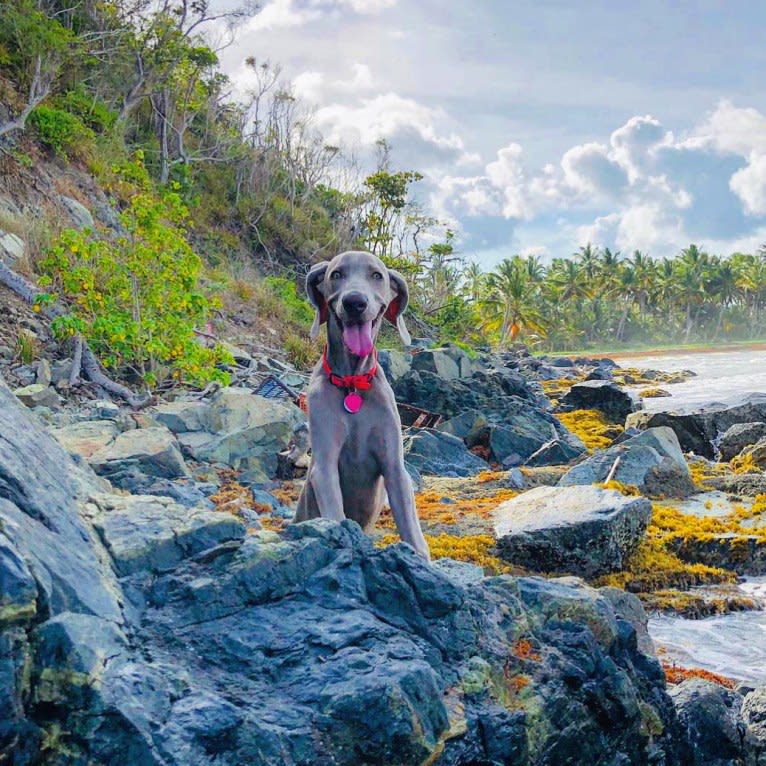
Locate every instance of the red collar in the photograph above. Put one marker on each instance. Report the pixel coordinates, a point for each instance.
(353, 382)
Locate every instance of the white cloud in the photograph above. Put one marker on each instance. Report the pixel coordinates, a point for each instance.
(292, 13)
(749, 184)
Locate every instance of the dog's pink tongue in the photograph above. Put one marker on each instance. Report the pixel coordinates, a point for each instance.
(358, 338)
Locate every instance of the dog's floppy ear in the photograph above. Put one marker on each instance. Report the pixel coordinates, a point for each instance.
(398, 305)
(314, 279)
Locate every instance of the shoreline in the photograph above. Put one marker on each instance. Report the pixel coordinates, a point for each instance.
(759, 345)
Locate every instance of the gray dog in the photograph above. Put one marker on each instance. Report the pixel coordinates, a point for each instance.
(355, 429)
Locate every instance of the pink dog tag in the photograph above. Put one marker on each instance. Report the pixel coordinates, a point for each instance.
(353, 402)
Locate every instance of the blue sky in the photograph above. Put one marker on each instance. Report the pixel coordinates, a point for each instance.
(543, 125)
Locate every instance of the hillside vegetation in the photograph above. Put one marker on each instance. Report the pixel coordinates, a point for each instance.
(210, 195)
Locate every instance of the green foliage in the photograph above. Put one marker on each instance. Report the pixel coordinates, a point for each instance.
(137, 299)
(59, 130)
(91, 112)
(299, 310)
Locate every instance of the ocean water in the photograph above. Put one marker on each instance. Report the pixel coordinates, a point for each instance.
(733, 645)
(722, 376)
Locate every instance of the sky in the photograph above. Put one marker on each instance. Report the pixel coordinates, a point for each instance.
(541, 126)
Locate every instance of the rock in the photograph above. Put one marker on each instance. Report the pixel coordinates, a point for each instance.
(60, 371)
(315, 647)
(438, 362)
(553, 452)
(394, 364)
(571, 529)
(244, 431)
(738, 437)
(37, 395)
(754, 715)
(629, 608)
(153, 451)
(651, 461)
(698, 430)
(512, 445)
(12, 248)
(103, 409)
(87, 437)
(711, 715)
(615, 402)
(434, 453)
(467, 426)
(77, 212)
(43, 373)
(182, 416)
(757, 453)
(240, 356)
(6, 353)
(153, 534)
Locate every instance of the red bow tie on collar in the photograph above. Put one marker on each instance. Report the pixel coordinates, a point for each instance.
(354, 382)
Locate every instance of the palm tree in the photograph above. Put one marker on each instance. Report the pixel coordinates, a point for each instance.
(512, 301)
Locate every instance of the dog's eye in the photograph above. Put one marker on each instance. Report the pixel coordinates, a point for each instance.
(377, 275)
(335, 275)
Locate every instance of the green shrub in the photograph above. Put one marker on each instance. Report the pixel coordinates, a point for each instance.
(137, 299)
(61, 131)
(91, 111)
(299, 310)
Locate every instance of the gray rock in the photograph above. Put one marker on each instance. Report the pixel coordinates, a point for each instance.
(553, 452)
(582, 530)
(37, 395)
(754, 715)
(154, 451)
(757, 453)
(394, 363)
(438, 362)
(103, 409)
(698, 430)
(182, 416)
(154, 534)
(216, 649)
(629, 608)
(86, 438)
(615, 402)
(77, 212)
(651, 461)
(434, 453)
(711, 715)
(467, 426)
(738, 437)
(43, 372)
(12, 248)
(60, 371)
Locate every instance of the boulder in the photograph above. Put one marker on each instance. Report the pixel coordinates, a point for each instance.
(182, 416)
(153, 451)
(581, 530)
(434, 453)
(740, 436)
(698, 430)
(712, 718)
(651, 461)
(12, 248)
(615, 402)
(757, 453)
(467, 426)
(87, 437)
(754, 715)
(394, 363)
(79, 214)
(553, 452)
(438, 362)
(38, 395)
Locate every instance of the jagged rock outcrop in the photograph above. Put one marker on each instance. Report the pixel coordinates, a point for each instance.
(133, 630)
(614, 401)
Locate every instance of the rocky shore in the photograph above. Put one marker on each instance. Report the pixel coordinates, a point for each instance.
(157, 606)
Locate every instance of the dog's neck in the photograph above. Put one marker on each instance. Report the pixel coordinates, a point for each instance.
(340, 359)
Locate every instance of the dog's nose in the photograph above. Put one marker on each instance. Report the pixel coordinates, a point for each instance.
(354, 304)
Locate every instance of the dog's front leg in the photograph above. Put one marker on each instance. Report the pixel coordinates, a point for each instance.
(325, 482)
(402, 501)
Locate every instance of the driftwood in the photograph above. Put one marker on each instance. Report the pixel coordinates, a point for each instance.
(88, 363)
(613, 469)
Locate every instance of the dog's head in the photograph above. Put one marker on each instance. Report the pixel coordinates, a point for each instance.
(357, 290)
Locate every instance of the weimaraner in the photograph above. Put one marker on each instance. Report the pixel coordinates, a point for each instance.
(354, 424)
